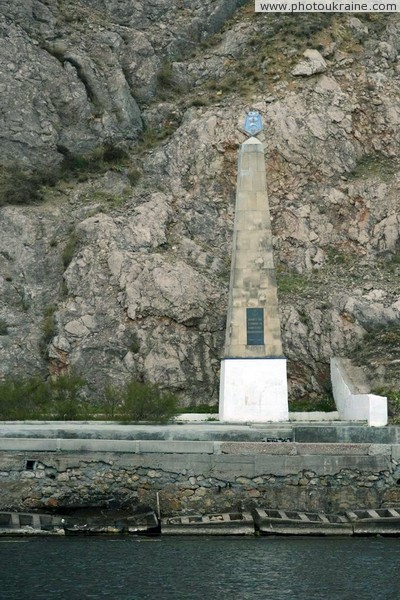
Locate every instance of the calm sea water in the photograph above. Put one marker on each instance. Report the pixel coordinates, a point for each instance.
(200, 568)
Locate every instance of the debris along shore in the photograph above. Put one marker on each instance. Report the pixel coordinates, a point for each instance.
(265, 522)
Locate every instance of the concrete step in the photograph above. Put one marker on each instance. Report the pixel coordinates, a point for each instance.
(351, 434)
(206, 432)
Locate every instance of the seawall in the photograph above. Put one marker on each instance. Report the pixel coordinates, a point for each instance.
(67, 469)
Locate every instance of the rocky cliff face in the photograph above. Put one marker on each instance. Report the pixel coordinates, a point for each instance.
(121, 269)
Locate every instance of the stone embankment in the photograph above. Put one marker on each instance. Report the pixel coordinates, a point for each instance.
(218, 469)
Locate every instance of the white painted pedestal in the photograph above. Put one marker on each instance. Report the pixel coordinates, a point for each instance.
(253, 389)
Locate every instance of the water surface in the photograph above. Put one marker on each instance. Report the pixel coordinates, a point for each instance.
(200, 568)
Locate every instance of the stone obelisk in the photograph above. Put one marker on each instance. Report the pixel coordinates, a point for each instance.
(253, 371)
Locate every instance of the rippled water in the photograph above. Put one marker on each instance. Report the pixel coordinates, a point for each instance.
(200, 568)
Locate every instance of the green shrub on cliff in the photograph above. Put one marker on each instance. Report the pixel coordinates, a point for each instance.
(138, 401)
(24, 399)
(21, 186)
(3, 327)
(59, 398)
(324, 404)
(63, 398)
(110, 402)
(393, 397)
(67, 400)
(147, 402)
(101, 159)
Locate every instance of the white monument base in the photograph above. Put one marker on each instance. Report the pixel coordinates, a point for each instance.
(253, 389)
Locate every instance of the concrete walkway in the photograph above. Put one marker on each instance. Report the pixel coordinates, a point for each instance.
(205, 431)
(339, 432)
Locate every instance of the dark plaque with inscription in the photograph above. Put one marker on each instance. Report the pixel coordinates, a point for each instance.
(255, 326)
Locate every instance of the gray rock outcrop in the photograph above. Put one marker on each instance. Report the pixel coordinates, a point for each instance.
(124, 272)
(313, 64)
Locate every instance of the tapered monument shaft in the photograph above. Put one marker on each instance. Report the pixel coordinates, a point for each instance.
(253, 370)
(253, 326)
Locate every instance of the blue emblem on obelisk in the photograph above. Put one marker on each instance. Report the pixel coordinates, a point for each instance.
(253, 123)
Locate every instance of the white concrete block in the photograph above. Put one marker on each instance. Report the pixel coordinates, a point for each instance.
(353, 406)
(253, 390)
(377, 410)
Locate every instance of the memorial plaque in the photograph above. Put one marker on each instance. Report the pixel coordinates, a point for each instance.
(255, 326)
